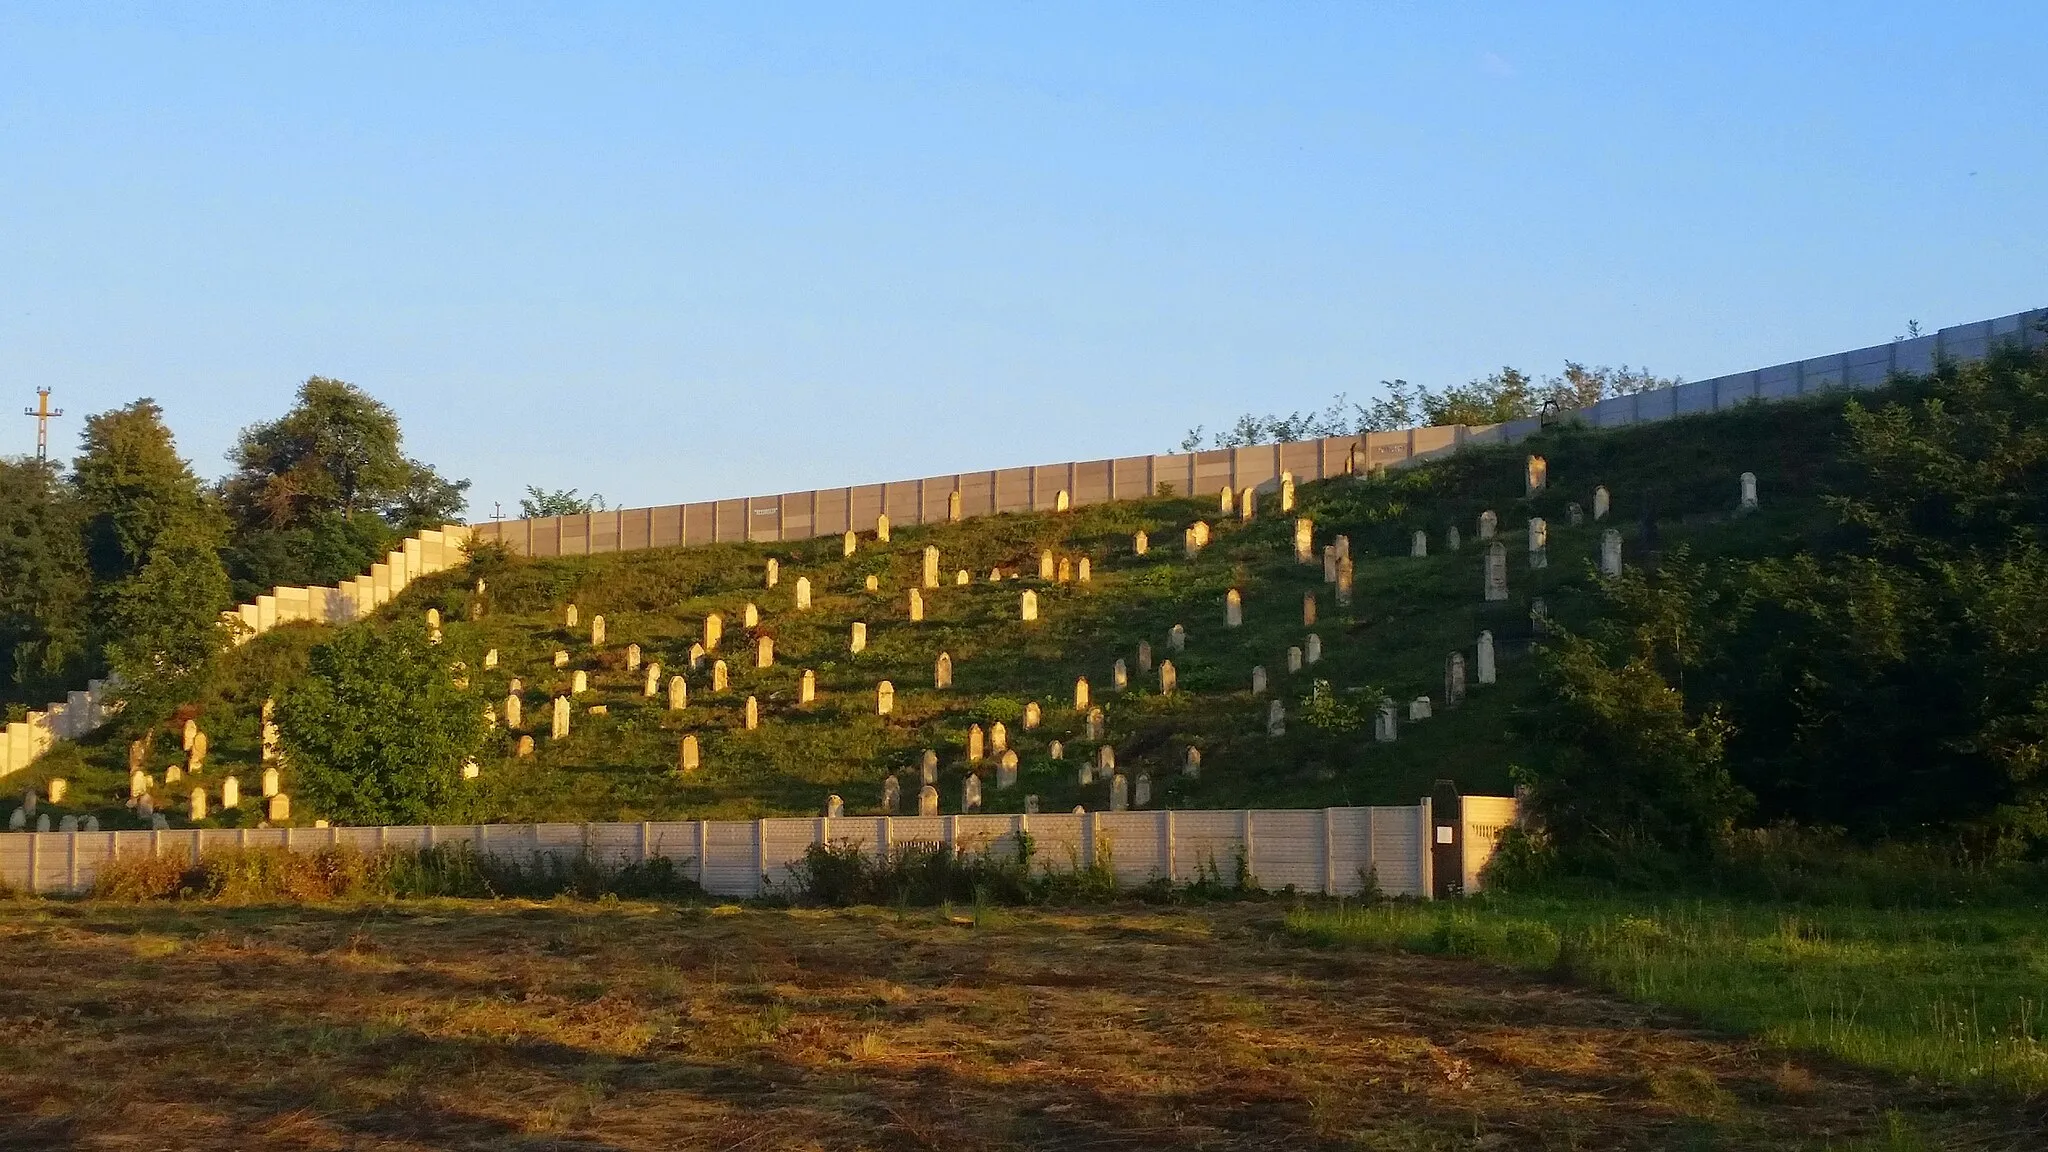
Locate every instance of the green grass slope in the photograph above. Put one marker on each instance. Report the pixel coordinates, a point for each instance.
(1407, 615)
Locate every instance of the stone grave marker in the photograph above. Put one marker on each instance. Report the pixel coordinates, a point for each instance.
(1293, 660)
(1233, 608)
(942, 671)
(1496, 572)
(974, 742)
(1385, 725)
(928, 801)
(1141, 791)
(650, 682)
(1536, 476)
(1601, 503)
(579, 683)
(569, 616)
(560, 728)
(1312, 652)
(929, 575)
(1080, 694)
(885, 698)
(1191, 767)
(678, 693)
(1419, 709)
(1141, 543)
(1169, 679)
(514, 707)
(1489, 525)
(597, 631)
(1046, 568)
(803, 593)
(1119, 793)
(689, 758)
(753, 713)
(1033, 715)
(928, 767)
(807, 687)
(714, 631)
(764, 652)
(721, 677)
(1610, 553)
(1747, 497)
(970, 793)
(1177, 638)
(1119, 676)
(834, 806)
(892, 794)
(1454, 680)
(1258, 680)
(1539, 543)
(773, 575)
(1485, 658)
(882, 528)
(1304, 540)
(858, 642)
(850, 544)
(1308, 609)
(1418, 544)
(1028, 605)
(1344, 577)
(1144, 656)
(1276, 719)
(1095, 724)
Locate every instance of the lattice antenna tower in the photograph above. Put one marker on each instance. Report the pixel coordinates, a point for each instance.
(43, 414)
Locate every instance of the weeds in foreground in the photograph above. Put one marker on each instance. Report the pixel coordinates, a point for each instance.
(1005, 872)
(254, 875)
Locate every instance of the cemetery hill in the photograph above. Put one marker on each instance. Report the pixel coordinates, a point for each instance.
(1767, 682)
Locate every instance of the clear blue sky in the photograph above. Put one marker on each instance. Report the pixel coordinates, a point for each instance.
(669, 252)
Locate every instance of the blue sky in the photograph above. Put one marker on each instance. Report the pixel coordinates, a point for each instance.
(672, 252)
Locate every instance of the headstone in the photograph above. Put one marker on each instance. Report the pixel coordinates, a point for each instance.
(750, 616)
(1033, 715)
(873, 584)
(1496, 572)
(807, 687)
(1056, 751)
(1489, 525)
(953, 506)
(1177, 638)
(1330, 563)
(650, 681)
(803, 593)
(892, 794)
(561, 658)
(970, 793)
(1066, 570)
(196, 808)
(514, 712)
(1747, 497)
(1105, 759)
(1141, 543)
(1418, 544)
(1031, 804)
(1344, 578)
(834, 806)
(1080, 694)
(1539, 617)
(851, 544)
(859, 641)
(1028, 605)
(1287, 491)
(632, 657)
(1276, 719)
(1485, 658)
(158, 823)
(1536, 476)
(929, 577)
(764, 652)
(470, 770)
(91, 823)
(1201, 531)
(1226, 501)
(1046, 567)
(697, 654)
(1247, 503)
(1453, 541)
(191, 733)
(138, 783)
(1601, 503)
(57, 788)
(1144, 656)
(753, 714)
(1006, 771)
(1454, 680)
(1192, 766)
(689, 758)
(1084, 571)
(1304, 540)
(1233, 608)
(1308, 609)
(1119, 676)
(928, 767)
(138, 755)
(68, 824)
(172, 775)
(579, 683)
(962, 578)
(1610, 553)
(995, 575)
(942, 671)
(974, 744)
(569, 616)
(773, 575)
(1096, 725)
(1169, 679)
(597, 631)
(1119, 793)
(1385, 724)
(882, 528)
(998, 737)
(1293, 660)
(195, 760)
(1188, 543)
(714, 631)
(885, 698)
(678, 693)
(273, 784)
(1258, 680)
(1419, 709)
(560, 728)
(433, 619)
(1539, 543)
(1141, 791)
(1574, 515)
(1343, 545)
(928, 801)
(916, 606)
(1061, 501)
(516, 686)
(491, 659)
(1312, 653)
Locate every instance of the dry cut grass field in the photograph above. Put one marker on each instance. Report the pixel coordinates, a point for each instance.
(609, 1025)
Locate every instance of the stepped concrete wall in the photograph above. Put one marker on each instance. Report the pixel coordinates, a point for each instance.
(1329, 850)
(831, 511)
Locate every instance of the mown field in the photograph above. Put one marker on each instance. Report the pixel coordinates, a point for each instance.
(575, 1024)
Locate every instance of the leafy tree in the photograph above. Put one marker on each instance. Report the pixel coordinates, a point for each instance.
(164, 623)
(560, 502)
(320, 493)
(377, 731)
(1624, 773)
(44, 585)
(133, 486)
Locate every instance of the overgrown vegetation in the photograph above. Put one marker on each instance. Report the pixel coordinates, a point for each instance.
(269, 875)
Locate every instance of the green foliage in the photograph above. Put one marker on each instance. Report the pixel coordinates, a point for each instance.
(134, 487)
(377, 731)
(44, 585)
(165, 622)
(561, 502)
(323, 551)
(265, 875)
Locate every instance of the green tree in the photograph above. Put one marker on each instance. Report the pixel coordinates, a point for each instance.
(132, 487)
(561, 502)
(45, 585)
(165, 624)
(377, 731)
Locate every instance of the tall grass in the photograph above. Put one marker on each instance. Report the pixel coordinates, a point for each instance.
(1005, 872)
(1958, 995)
(254, 875)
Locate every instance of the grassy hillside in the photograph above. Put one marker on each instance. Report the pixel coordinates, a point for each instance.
(1406, 616)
